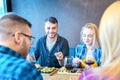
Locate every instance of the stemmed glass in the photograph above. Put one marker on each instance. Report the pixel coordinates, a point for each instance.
(90, 62)
(90, 59)
(68, 63)
(33, 57)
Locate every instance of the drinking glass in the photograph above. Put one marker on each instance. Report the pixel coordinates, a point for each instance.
(33, 57)
(90, 59)
(89, 62)
(68, 64)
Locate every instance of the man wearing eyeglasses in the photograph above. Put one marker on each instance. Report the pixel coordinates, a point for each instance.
(15, 37)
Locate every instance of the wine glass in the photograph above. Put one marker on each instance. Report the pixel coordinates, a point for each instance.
(33, 57)
(68, 63)
(90, 62)
(89, 59)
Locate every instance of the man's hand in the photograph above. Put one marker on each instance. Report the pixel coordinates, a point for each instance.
(59, 55)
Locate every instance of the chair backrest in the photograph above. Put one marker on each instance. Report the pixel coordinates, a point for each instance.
(72, 52)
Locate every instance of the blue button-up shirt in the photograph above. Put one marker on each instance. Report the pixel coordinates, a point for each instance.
(81, 53)
(14, 67)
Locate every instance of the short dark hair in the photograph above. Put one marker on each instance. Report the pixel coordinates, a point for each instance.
(14, 17)
(52, 20)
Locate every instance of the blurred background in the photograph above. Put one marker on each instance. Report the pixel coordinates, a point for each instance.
(71, 15)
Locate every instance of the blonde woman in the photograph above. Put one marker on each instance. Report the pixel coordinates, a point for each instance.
(110, 44)
(89, 49)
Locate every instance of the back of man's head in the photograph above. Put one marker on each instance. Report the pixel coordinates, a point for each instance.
(10, 23)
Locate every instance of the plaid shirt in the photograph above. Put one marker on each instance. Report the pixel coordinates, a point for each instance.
(14, 67)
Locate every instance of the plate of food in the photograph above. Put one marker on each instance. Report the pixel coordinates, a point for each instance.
(63, 70)
(47, 69)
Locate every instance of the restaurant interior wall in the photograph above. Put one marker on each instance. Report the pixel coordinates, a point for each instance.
(71, 15)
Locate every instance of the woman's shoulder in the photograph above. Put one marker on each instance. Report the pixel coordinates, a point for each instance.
(98, 50)
(81, 45)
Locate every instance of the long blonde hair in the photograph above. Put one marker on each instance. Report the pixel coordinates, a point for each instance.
(92, 26)
(110, 39)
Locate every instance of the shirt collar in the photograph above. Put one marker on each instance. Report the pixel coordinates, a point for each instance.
(6, 50)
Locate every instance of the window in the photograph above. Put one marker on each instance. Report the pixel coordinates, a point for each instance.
(3, 7)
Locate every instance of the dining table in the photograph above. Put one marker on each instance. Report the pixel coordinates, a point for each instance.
(61, 76)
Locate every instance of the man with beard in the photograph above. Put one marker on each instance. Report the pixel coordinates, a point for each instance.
(51, 49)
(15, 36)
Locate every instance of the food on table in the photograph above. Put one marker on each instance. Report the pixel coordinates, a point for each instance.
(73, 70)
(80, 70)
(47, 69)
(63, 69)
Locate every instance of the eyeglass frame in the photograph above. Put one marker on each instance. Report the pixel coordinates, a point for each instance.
(31, 38)
(28, 36)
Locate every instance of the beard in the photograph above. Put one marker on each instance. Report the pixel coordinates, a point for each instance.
(24, 49)
(51, 37)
